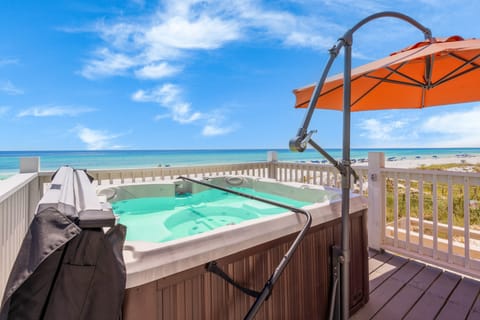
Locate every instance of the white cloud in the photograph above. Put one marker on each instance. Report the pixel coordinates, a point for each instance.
(288, 28)
(182, 32)
(9, 88)
(157, 71)
(169, 96)
(165, 95)
(182, 113)
(388, 131)
(145, 46)
(107, 63)
(445, 130)
(216, 125)
(96, 139)
(53, 111)
(455, 129)
(381, 130)
(212, 130)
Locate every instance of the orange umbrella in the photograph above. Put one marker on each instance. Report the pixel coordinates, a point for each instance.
(428, 73)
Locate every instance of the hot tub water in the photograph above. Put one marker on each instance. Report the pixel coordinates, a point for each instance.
(161, 219)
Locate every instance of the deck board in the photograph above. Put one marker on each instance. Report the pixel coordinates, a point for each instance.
(429, 305)
(461, 300)
(377, 260)
(384, 292)
(385, 271)
(475, 311)
(404, 300)
(404, 289)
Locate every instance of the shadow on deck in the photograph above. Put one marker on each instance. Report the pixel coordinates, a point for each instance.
(405, 289)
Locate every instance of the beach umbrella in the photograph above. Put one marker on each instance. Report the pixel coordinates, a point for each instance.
(429, 73)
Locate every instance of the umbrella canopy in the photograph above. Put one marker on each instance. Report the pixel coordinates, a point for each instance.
(428, 73)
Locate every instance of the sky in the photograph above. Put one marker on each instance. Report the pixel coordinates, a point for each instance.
(138, 74)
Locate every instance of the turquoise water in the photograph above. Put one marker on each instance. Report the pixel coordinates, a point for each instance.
(52, 160)
(164, 219)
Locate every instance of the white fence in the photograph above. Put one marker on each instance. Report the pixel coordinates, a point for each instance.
(19, 196)
(426, 214)
(430, 215)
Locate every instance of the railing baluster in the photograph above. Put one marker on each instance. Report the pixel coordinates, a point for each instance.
(466, 220)
(407, 212)
(420, 214)
(395, 209)
(450, 219)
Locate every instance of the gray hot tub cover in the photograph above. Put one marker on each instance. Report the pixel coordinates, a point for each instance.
(67, 266)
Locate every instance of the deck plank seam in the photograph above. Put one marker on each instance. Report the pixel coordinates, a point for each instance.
(374, 252)
(447, 298)
(381, 264)
(473, 303)
(397, 269)
(399, 289)
(424, 291)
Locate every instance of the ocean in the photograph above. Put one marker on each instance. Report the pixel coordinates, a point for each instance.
(51, 160)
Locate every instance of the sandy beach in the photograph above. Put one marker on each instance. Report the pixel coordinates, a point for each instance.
(426, 161)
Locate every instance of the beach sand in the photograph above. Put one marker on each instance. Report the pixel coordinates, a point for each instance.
(426, 161)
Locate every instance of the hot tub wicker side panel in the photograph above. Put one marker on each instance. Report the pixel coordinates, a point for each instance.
(302, 292)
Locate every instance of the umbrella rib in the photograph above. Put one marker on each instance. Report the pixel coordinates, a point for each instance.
(416, 84)
(419, 83)
(449, 76)
(444, 79)
(337, 87)
(373, 87)
(467, 61)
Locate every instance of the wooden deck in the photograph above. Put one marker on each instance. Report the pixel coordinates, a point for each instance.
(404, 289)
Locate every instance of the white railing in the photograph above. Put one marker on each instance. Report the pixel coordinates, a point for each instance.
(406, 207)
(19, 196)
(320, 174)
(426, 214)
(120, 176)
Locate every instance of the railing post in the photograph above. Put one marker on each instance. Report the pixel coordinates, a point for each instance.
(29, 164)
(376, 200)
(272, 159)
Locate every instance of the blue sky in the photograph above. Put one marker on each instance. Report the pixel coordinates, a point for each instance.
(140, 74)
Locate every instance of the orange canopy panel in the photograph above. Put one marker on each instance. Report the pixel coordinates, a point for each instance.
(444, 71)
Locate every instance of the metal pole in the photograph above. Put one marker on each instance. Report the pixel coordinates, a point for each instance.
(299, 142)
(345, 274)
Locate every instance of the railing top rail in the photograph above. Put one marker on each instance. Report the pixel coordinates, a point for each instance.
(166, 169)
(14, 183)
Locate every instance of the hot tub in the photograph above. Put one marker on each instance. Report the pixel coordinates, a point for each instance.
(168, 280)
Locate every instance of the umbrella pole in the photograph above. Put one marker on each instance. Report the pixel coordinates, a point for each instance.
(345, 273)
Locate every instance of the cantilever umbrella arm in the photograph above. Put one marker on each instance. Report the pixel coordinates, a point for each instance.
(303, 137)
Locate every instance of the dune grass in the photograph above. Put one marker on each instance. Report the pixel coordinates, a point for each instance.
(450, 166)
(428, 205)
